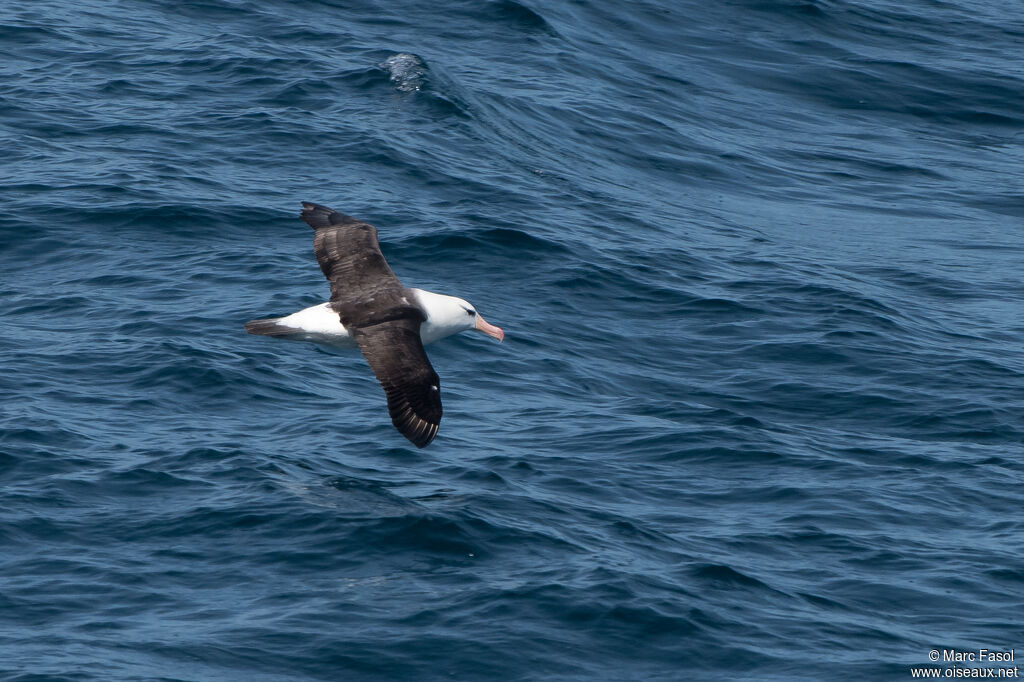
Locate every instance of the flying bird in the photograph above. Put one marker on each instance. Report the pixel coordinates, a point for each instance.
(370, 309)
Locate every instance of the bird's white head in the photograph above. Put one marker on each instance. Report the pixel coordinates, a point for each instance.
(447, 315)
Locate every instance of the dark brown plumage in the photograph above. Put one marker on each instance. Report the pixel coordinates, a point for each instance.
(378, 311)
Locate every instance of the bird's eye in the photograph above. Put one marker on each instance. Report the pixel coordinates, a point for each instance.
(469, 311)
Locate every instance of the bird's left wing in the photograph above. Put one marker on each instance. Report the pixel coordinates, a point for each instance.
(395, 353)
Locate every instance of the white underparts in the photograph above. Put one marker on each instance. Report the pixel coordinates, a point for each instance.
(318, 324)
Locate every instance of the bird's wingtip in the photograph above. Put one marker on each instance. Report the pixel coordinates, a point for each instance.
(318, 215)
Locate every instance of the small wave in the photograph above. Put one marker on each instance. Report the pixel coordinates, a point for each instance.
(519, 15)
(514, 242)
(722, 575)
(407, 71)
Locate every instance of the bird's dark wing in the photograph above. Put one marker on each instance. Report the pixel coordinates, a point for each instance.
(350, 258)
(376, 309)
(395, 353)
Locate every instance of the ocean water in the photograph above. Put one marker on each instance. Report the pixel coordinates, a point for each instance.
(758, 413)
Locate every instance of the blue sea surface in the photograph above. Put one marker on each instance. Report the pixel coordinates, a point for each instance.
(759, 413)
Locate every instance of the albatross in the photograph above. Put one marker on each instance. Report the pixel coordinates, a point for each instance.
(370, 309)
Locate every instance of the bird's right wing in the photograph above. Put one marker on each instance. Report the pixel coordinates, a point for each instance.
(395, 353)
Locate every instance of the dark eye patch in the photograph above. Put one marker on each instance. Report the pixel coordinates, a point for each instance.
(469, 311)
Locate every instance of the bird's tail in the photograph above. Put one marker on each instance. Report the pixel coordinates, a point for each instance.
(269, 326)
